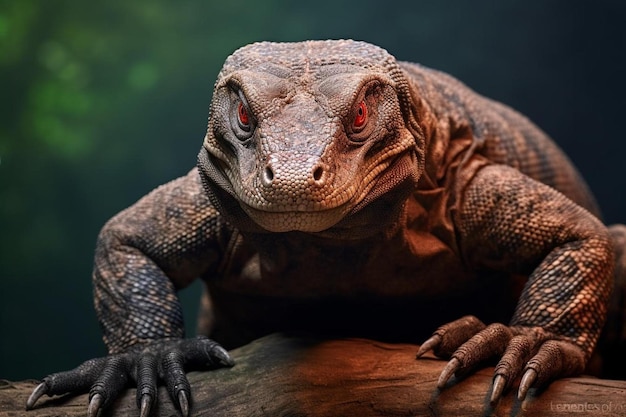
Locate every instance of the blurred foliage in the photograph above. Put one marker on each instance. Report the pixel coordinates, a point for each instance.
(102, 101)
(92, 118)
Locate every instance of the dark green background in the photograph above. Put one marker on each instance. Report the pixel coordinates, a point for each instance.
(104, 100)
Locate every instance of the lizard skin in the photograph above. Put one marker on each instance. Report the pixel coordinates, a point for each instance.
(343, 192)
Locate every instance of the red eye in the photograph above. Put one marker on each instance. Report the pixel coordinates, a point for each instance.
(361, 115)
(242, 114)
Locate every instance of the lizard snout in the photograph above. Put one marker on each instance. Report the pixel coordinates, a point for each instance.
(289, 176)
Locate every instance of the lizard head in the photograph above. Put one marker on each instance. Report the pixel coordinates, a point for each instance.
(310, 136)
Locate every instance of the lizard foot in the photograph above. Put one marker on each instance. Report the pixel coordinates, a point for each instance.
(527, 352)
(164, 360)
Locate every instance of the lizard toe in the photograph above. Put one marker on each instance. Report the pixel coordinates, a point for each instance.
(75, 381)
(511, 364)
(173, 373)
(202, 352)
(199, 353)
(105, 378)
(146, 378)
(485, 344)
(554, 359)
(449, 337)
(112, 380)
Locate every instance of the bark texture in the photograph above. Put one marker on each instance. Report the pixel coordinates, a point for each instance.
(280, 375)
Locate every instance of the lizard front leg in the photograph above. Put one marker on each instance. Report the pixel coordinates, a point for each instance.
(142, 365)
(143, 255)
(509, 222)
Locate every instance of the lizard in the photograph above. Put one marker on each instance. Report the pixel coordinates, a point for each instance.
(339, 190)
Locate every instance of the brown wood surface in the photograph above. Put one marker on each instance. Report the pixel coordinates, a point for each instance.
(286, 376)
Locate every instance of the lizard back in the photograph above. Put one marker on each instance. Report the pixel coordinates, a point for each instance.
(497, 132)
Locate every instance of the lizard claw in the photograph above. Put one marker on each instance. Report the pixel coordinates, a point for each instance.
(529, 378)
(95, 403)
(453, 365)
(183, 402)
(146, 405)
(429, 344)
(222, 355)
(500, 383)
(36, 394)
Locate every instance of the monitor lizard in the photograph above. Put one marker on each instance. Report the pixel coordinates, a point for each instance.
(343, 192)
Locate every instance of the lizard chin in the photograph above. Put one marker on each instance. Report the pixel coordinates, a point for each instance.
(292, 221)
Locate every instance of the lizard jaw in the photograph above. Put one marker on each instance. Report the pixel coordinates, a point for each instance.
(303, 221)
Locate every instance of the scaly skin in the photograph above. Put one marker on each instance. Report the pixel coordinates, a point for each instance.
(341, 191)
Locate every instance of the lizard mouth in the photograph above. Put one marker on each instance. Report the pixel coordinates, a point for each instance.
(303, 221)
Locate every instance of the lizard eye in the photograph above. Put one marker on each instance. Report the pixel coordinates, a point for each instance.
(243, 117)
(360, 116)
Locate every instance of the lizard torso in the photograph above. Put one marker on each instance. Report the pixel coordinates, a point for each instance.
(347, 288)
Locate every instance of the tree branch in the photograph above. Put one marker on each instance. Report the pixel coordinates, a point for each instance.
(286, 376)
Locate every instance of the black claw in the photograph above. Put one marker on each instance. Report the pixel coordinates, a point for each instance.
(183, 402)
(447, 372)
(94, 405)
(146, 405)
(37, 393)
(222, 355)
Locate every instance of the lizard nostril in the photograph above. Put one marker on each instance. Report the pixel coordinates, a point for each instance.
(318, 173)
(268, 175)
